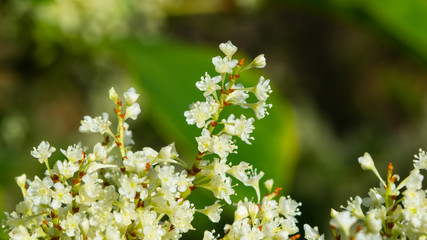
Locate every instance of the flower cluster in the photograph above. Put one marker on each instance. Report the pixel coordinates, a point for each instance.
(114, 192)
(268, 219)
(389, 213)
(102, 195)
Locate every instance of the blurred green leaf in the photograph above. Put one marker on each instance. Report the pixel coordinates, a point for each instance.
(168, 74)
(405, 22)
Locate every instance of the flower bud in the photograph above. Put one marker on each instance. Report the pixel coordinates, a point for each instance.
(269, 184)
(259, 61)
(113, 94)
(366, 162)
(20, 180)
(228, 48)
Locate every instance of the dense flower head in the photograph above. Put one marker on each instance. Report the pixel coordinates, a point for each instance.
(111, 191)
(387, 212)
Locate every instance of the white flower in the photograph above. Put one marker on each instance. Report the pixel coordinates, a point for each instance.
(167, 177)
(354, 206)
(373, 223)
(263, 89)
(228, 49)
(312, 233)
(130, 96)
(224, 65)
(74, 153)
(289, 208)
(241, 127)
(71, 224)
(208, 85)
(420, 161)
(43, 151)
(343, 220)
(375, 198)
(61, 195)
(260, 109)
(127, 135)
(40, 191)
(98, 124)
(415, 180)
(223, 145)
(99, 153)
(129, 186)
(132, 111)
(167, 153)
(137, 161)
(237, 96)
(21, 233)
(65, 169)
(205, 141)
(220, 187)
(213, 211)
(200, 112)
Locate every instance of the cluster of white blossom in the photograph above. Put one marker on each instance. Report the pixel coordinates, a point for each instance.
(268, 219)
(263, 219)
(114, 192)
(389, 214)
(102, 195)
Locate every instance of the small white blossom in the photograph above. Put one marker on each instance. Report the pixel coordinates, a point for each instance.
(209, 85)
(43, 151)
(205, 141)
(260, 109)
(129, 186)
(65, 169)
(61, 195)
(132, 111)
(131, 96)
(223, 145)
(228, 49)
(420, 161)
(263, 89)
(224, 65)
(354, 206)
(343, 220)
(237, 96)
(312, 233)
(240, 127)
(74, 153)
(213, 211)
(99, 153)
(93, 125)
(289, 208)
(40, 191)
(200, 112)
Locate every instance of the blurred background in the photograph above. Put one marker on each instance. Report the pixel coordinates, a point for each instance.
(348, 76)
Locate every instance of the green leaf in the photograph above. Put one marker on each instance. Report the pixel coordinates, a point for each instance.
(168, 72)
